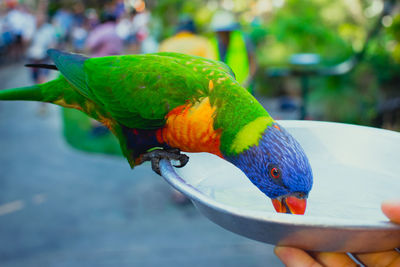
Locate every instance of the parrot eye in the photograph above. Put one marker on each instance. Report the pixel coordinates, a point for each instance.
(274, 172)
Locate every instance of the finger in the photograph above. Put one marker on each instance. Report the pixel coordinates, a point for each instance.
(391, 209)
(388, 258)
(333, 259)
(293, 257)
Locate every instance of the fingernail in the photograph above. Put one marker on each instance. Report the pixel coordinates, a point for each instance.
(391, 202)
(282, 252)
(277, 250)
(391, 208)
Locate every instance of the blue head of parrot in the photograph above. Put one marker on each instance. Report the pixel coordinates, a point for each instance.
(279, 168)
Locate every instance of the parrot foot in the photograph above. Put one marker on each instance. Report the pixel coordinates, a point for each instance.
(169, 153)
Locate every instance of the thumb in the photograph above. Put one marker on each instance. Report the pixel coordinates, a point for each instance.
(391, 209)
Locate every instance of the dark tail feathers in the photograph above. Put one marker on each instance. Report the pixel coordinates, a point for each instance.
(42, 66)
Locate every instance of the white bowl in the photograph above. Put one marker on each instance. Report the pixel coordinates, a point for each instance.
(355, 168)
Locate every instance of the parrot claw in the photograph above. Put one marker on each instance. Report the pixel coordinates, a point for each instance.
(170, 154)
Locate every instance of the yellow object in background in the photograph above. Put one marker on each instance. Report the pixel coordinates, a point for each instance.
(188, 43)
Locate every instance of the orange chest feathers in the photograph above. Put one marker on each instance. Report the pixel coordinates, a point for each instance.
(190, 128)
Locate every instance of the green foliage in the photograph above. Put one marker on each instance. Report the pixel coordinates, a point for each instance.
(301, 27)
(350, 98)
(394, 33)
(336, 30)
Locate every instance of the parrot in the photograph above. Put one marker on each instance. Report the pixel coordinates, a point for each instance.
(161, 104)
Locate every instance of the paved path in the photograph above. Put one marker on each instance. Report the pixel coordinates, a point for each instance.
(62, 207)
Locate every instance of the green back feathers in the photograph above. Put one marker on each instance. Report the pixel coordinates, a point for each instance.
(140, 90)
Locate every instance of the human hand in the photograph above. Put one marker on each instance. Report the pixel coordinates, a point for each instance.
(293, 257)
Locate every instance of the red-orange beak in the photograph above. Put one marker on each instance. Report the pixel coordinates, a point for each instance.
(290, 204)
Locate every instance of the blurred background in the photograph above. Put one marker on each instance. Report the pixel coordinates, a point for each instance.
(67, 198)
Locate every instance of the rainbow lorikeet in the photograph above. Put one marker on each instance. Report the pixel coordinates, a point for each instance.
(175, 102)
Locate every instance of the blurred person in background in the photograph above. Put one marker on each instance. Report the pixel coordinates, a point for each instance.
(119, 9)
(79, 15)
(186, 41)
(81, 27)
(233, 48)
(92, 18)
(103, 40)
(125, 30)
(133, 28)
(21, 25)
(79, 34)
(63, 22)
(140, 25)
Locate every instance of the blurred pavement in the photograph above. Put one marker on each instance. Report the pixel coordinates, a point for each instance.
(62, 207)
